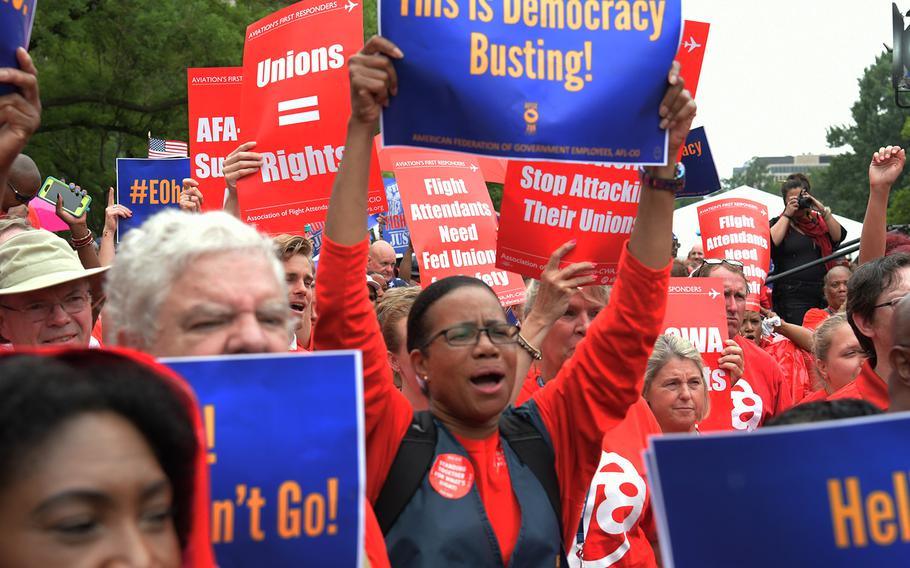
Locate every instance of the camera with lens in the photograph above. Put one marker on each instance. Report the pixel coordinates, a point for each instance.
(804, 202)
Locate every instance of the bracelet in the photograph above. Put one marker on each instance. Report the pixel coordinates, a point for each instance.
(82, 242)
(532, 351)
(826, 212)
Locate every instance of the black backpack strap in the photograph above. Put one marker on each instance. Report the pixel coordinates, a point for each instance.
(410, 467)
(534, 451)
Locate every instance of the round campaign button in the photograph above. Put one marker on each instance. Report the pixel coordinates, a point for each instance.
(452, 475)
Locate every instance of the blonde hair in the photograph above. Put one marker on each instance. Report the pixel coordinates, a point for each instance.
(289, 245)
(821, 342)
(668, 347)
(600, 293)
(394, 307)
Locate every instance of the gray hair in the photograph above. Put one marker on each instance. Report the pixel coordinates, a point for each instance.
(152, 256)
(670, 346)
(598, 292)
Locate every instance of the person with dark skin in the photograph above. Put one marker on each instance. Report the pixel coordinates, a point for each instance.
(462, 345)
(20, 116)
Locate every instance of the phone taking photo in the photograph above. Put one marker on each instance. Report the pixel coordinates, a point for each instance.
(75, 201)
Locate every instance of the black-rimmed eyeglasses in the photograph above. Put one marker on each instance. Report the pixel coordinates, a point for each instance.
(469, 335)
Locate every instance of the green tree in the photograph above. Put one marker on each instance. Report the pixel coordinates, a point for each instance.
(844, 185)
(754, 175)
(113, 70)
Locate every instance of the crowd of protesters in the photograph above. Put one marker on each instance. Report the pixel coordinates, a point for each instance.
(550, 415)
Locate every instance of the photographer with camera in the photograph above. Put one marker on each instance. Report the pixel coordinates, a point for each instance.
(804, 232)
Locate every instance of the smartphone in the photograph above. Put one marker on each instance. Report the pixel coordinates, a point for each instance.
(73, 202)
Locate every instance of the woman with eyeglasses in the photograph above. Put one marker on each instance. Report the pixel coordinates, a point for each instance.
(804, 232)
(473, 502)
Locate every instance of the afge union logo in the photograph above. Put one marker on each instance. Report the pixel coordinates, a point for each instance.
(614, 505)
(531, 117)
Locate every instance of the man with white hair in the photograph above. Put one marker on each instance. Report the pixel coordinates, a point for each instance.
(197, 284)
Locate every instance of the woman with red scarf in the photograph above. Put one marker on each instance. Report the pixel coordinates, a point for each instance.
(804, 232)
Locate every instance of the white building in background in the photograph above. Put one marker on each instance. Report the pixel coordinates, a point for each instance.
(782, 166)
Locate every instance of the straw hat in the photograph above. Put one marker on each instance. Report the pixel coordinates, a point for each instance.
(39, 259)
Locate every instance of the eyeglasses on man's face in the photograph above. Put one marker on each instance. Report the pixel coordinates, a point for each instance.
(40, 311)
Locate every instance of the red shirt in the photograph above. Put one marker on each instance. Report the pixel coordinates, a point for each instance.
(531, 385)
(866, 386)
(618, 508)
(762, 392)
(820, 394)
(590, 395)
(814, 318)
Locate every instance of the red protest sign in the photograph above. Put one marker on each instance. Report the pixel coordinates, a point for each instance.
(691, 52)
(452, 222)
(545, 204)
(737, 229)
(695, 311)
(494, 169)
(296, 105)
(214, 100)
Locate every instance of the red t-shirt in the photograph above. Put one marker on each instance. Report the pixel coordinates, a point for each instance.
(762, 392)
(814, 318)
(618, 523)
(590, 395)
(815, 396)
(530, 386)
(866, 386)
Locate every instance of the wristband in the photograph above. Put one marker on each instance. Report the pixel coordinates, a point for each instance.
(532, 351)
(676, 184)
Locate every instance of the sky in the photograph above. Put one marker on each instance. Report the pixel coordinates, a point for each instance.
(778, 73)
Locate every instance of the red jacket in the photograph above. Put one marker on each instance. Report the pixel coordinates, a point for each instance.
(590, 395)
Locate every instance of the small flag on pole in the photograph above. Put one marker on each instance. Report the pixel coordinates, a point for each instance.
(161, 148)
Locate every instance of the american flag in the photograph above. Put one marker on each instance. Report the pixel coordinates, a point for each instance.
(161, 148)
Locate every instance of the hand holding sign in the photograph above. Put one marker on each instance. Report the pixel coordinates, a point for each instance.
(190, 196)
(241, 163)
(731, 360)
(373, 79)
(677, 110)
(20, 112)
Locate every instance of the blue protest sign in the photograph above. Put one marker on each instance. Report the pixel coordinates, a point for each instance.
(555, 80)
(394, 230)
(285, 437)
(148, 186)
(829, 494)
(701, 173)
(16, 18)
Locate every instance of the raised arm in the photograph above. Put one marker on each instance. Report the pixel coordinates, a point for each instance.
(552, 299)
(20, 111)
(887, 164)
(596, 386)
(346, 317)
(782, 225)
(239, 163)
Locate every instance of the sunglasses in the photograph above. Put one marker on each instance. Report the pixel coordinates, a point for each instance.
(716, 262)
(23, 199)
